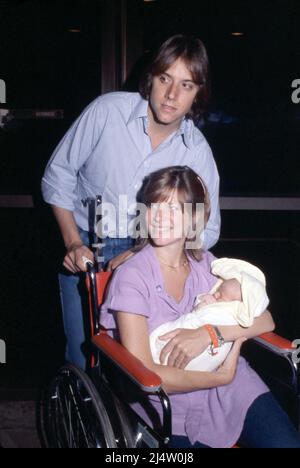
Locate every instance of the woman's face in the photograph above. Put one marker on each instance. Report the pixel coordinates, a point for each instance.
(167, 222)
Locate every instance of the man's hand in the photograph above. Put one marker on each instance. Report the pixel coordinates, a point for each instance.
(183, 346)
(117, 261)
(74, 260)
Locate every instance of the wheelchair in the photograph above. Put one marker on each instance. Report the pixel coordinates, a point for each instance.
(93, 410)
(88, 410)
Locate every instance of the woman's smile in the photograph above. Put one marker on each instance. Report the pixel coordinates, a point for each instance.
(162, 230)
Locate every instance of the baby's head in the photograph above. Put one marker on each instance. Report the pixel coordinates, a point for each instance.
(230, 290)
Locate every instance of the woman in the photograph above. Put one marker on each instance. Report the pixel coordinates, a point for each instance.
(159, 284)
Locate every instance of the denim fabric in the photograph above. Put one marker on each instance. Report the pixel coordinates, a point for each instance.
(74, 302)
(266, 426)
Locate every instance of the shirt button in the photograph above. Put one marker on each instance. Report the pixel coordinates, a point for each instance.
(158, 288)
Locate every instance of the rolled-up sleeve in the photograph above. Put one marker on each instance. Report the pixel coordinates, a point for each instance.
(128, 292)
(60, 179)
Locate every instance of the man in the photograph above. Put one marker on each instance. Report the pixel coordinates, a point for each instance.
(118, 140)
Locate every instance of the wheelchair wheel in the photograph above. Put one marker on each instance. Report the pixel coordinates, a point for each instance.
(76, 415)
(125, 426)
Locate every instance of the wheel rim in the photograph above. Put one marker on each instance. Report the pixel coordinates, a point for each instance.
(77, 416)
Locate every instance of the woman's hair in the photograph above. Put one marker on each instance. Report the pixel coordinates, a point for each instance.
(160, 185)
(193, 52)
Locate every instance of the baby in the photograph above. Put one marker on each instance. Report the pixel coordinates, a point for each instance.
(229, 290)
(238, 298)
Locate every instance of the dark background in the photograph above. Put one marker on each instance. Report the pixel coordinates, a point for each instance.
(252, 126)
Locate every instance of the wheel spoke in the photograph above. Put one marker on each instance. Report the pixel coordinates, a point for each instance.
(77, 416)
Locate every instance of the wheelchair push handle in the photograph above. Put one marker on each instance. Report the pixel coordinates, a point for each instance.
(88, 264)
(94, 207)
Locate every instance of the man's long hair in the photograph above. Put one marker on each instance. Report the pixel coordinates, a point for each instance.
(193, 52)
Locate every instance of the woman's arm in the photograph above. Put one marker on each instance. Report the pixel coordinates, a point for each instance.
(262, 324)
(185, 345)
(134, 335)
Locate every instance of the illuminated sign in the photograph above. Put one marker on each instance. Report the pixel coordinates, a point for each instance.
(2, 92)
(296, 93)
(2, 352)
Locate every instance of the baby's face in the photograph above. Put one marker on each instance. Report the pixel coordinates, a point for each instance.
(230, 290)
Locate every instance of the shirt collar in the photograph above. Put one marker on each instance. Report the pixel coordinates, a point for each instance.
(186, 130)
(141, 111)
(159, 284)
(149, 253)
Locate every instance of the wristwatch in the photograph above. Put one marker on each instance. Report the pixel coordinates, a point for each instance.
(221, 340)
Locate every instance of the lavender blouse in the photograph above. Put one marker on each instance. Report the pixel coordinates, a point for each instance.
(214, 417)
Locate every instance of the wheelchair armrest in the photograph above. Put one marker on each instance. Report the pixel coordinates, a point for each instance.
(275, 343)
(146, 380)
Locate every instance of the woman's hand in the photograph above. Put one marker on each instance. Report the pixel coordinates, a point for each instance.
(228, 370)
(117, 261)
(184, 345)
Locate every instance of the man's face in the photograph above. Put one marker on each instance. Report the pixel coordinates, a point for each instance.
(173, 94)
(166, 221)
